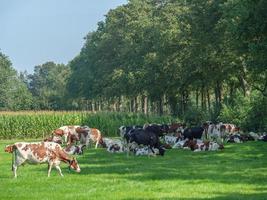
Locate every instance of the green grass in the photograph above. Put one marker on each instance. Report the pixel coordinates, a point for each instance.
(237, 172)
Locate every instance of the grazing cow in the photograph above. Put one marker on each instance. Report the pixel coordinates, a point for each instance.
(40, 152)
(146, 138)
(158, 129)
(193, 133)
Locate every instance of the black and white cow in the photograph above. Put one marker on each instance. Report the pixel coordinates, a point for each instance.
(145, 137)
(193, 133)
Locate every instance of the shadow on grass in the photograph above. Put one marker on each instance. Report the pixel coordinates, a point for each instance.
(236, 164)
(229, 196)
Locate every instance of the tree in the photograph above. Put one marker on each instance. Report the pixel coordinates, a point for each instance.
(48, 85)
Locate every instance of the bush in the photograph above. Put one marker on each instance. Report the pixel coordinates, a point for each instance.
(249, 113)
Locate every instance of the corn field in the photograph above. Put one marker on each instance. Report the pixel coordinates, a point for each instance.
(39, 124)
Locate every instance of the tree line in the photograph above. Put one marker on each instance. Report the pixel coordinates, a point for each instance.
(192, 59)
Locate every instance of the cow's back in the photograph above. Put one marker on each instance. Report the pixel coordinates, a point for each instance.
(36, 152)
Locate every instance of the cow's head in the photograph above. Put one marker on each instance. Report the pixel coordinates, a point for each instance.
(58, 132)
(122, 131)
(9, 148)
(74, 165)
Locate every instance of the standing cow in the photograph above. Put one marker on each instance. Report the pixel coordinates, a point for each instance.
(40, 152)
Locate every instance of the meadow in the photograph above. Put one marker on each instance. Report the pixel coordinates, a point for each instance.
(237, 172)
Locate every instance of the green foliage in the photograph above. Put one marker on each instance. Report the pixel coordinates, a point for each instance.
(48, 85)
(247, 112)
(14, 94)
(41, 124)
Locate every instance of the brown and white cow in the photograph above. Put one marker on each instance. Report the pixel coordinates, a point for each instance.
(70, 133)
(95, 136)
(40, 152)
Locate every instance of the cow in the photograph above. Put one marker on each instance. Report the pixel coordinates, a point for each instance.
(141, 151)
(180, 144)
(158, 129)
(198, 145)
(113, 145)
(126, 129)
(95, 136)
(171, 140)
(177, 128)
(67, 131)
(40, 152)
(235, 138)
(147, 138)
(263, 137)
(54, 138)
(193, 133)
(75, 149)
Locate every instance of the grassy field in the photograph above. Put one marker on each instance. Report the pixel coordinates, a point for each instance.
(237, 172)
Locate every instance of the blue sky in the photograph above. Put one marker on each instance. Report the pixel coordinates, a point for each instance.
(36, 31)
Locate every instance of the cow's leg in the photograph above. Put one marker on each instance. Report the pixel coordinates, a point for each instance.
(14, 168)
(87, 140)
(18, 160)
(59, 170)
(50, 165)
(97, 142)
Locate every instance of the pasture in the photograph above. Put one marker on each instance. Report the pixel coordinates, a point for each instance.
(237, 172)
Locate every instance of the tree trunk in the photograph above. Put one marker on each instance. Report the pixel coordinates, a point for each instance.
(197, 97)
(160, 106)
(208, 97)
(146, 105)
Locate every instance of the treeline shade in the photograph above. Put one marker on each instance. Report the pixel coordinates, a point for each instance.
(198, 60)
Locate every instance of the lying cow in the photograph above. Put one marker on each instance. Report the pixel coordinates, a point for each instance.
(171, 140)
(113, 145)
(40, 152)
(144, 137)
(141, 151)
(198, 145)
(75, 149)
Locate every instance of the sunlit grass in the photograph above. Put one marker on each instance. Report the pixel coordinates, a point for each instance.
(237, 172)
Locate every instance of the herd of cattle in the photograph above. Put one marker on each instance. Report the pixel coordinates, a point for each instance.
(150, 139)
